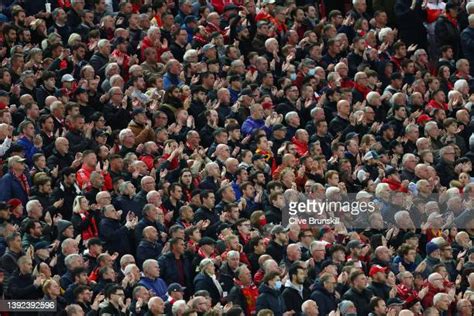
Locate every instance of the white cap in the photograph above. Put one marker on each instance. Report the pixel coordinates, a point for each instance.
(67, 78)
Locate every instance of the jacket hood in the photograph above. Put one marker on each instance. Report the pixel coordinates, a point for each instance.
(266, 289)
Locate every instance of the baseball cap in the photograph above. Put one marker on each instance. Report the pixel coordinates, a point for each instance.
(15, 159)
(257, 157)
(363, 195)
(207, 47)
(325, 229)
(351, 135)
(431, 247)
(376, 269)
(41, 245)
(371, 154)
(94, 241)
(355, 244)
(137, 111)
(175, 287)
(67, 78)
(423, 118)
(278, 127)
(262, 23)
(277, 229)
(230, 6)
(390, 170)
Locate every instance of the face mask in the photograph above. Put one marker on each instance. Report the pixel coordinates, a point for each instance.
(263, 222)
(311, 72)
(293, 76)
(278, 285)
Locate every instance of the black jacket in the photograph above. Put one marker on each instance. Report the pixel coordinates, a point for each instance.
(202, 281)
(99, 62)
(117, 118)
(169, 271)
(326, 301)
(20, 286)
(77, 141)
(360, 299)
(446, 33)
(56, 159)
(293, 298)
(115, 235)
(270, 299)
(147, 250)
(276, 251)
(380, 289)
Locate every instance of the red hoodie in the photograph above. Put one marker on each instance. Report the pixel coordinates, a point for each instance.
(148, 43)
(83, 176)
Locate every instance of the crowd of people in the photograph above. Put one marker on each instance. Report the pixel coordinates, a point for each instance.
(151, 151)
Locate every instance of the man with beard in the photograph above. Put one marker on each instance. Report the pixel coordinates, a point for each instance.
(198, 105)
(323, 293)
(295, 293)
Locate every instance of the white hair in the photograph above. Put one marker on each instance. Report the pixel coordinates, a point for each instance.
(438, 297)
(384, 32)
(129, 268)
(371, 96)
(179, 305)
(30, 205)
(152, 30)
(190, 53)
(124, 133)
(460, 83)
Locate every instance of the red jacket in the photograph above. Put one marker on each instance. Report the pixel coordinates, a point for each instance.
(147, 43)
(301, 148)
(83, 176)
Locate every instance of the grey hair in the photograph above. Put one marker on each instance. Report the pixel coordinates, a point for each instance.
(102, 43)
(70, 258)
(123, 133)
(438, 297)
(30, 204)
(233, 254)
(146, 265)
(290, 115)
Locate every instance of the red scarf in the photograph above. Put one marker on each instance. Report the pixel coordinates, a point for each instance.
(250, 293)
(24, 183)
(204, 256)
(91, 230)
(361, 89)
(452, 20)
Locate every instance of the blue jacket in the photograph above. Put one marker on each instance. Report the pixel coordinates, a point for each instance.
(326, 301)
(250, 126)
(29, 149)
(12, 188)
(171, 80)
(158, 286)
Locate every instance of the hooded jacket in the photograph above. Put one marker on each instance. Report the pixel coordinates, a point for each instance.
(270, 299)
